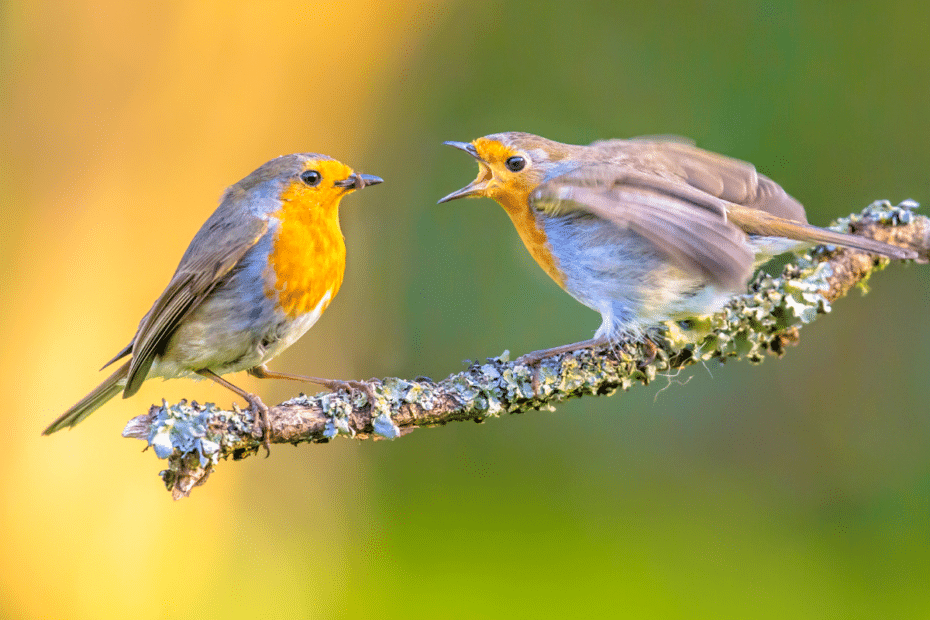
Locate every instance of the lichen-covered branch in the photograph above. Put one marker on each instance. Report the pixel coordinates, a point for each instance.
(193, 438)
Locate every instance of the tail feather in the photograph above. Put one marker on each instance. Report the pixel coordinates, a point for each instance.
(111, 386)
(857, 242)
(757, 222)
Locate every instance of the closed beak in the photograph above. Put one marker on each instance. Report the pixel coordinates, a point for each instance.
(358, 181)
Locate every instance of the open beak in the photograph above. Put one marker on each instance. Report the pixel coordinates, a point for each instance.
(478, 186)
(358, 181)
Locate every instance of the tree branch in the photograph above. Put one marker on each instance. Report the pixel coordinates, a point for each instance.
(193, 438)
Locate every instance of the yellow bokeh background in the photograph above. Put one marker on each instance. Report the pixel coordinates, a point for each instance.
(126, 122)
(798, 489)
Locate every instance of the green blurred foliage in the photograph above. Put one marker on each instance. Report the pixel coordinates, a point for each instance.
(795, 490)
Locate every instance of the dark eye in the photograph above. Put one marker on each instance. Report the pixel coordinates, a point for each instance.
(311, 177)
(515, 163)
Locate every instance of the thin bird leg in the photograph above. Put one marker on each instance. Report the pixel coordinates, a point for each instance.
(537, 356)
(259, 409)
(332, 385)
(533, 359)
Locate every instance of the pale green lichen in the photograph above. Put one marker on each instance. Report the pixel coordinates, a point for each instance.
(746, 326)
(192, 428)
(385, 426)
(192, 437)
(338, 410)
(749, 324)
(883, 212)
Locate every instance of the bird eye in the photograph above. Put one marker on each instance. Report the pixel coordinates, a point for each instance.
(311, 177)
(515, 163)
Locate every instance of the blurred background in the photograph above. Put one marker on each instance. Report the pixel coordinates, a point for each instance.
(797, 489)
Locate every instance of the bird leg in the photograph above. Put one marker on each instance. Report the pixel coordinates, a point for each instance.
(533, 358)
(259, 409)
(332, 385)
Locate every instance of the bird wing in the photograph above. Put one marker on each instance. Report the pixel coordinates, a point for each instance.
(659, 137)
(214, 251)
(683, 222)
(126, 351)
(731, 179)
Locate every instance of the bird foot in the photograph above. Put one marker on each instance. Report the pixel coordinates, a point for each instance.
(334, 385)
(262, 425)
(532, 360)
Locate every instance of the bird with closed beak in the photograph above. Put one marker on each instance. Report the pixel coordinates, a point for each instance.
(257, 275)
(643, 230)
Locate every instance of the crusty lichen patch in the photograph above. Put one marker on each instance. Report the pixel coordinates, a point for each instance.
(192, 437)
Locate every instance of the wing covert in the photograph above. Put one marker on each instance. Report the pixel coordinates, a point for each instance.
(686, 224)
(214, 251)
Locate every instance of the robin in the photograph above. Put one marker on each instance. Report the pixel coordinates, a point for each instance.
(643, 230)
(257, 275)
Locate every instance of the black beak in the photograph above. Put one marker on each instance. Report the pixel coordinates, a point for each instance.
(358, 181)
(468, 147)
(478, 186)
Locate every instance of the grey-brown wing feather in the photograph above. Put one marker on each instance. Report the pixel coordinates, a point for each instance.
(684, 223)
(731, 179)
(658, 137)
(214, 251)
(123, 353)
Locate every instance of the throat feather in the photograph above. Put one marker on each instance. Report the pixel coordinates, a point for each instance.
(532, 234)
(307, 259)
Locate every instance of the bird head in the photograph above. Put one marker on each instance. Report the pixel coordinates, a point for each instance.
(511, 165)
(308, 179)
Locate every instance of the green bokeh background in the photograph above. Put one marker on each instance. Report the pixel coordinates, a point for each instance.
(797, 489)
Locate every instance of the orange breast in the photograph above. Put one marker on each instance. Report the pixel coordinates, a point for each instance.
(534, 238)
(308, 256)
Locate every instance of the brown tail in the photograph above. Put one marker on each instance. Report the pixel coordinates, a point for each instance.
(112, 386)
(756, 222)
